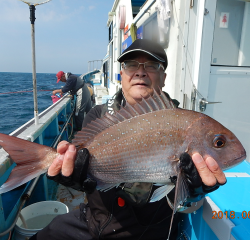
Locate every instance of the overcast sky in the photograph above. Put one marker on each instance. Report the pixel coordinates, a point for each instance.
(68, 34)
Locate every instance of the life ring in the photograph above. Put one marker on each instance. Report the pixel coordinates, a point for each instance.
(122, 16)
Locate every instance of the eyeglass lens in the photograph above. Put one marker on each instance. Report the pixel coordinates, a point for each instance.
(148, 66)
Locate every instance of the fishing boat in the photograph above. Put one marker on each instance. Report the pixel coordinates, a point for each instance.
(209, 71)
(56, 123)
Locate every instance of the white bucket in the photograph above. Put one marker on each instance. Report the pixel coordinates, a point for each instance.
(37, 216)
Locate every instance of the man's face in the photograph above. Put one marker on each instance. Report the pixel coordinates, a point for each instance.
(141, 83)
(63, 79)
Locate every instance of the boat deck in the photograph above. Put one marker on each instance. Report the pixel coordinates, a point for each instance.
(71, 197)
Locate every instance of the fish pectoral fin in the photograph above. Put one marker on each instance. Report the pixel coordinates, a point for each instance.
(106, 186)
(161, 192)
(159, 184)
(181, 194)
(181, 190)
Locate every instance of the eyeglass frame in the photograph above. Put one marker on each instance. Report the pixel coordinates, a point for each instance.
(160, 65)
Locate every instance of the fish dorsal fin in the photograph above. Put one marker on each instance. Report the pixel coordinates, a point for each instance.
(152, 103)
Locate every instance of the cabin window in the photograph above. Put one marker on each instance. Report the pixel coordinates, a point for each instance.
(135, 10)
(136, 6)
(111, 31)
(231, 34)
(105, 73)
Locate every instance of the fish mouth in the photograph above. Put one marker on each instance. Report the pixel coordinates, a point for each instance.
(236, 161)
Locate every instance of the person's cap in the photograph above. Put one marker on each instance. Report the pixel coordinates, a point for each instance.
(59, 76)
(146, 46)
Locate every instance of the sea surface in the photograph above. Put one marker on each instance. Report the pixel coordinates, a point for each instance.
(16, 97)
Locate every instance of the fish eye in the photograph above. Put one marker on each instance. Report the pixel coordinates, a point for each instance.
(219, 141)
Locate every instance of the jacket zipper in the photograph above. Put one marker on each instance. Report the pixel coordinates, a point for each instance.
(106, 224)
(109, 220)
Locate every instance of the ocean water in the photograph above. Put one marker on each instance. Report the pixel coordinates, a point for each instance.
(16, 97)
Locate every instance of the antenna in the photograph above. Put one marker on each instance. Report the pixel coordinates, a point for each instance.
(32, 4)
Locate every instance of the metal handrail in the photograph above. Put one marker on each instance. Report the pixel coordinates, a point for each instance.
(27, 195)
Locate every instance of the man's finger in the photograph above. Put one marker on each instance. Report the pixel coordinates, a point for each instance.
(62, 147)
(208, 178)
(69, 161)
(216, 170)
(56, 166)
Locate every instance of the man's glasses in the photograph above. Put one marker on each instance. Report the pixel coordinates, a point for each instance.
(132, 66)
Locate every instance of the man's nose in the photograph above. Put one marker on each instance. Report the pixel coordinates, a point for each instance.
(141, 72)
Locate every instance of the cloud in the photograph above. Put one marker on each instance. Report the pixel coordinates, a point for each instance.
(47, 16)
(91, 7)
(13, 11)
(65, 12)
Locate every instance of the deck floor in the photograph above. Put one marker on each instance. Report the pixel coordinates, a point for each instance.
(71, 197)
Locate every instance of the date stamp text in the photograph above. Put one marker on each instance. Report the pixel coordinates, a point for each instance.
(230, 214)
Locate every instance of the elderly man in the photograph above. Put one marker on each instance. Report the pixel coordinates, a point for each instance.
(76, 85)
(114, 214)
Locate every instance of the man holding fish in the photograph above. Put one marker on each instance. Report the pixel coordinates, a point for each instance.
(140, 159)
(119, 212)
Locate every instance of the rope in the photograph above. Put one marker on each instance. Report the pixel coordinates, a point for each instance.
(25, 91)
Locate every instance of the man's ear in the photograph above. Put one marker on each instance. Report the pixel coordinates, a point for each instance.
(163, 80)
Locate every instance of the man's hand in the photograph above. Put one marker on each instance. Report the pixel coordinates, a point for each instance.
(64, 163)
(209, 170)
(57, 91)
(202, 175)
(70, 168)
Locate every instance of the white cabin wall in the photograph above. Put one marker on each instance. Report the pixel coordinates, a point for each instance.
(118, 37)
(174, 53)
(228, 85)
(175, 50)
(244, 54)
(191, 35)
(113, 44)
(206, 49)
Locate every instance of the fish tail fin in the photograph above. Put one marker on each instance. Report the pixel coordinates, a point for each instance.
(22, 151)
(28, 156)
(19, 176)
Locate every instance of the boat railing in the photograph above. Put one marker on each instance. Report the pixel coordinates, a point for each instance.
(55, 124)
